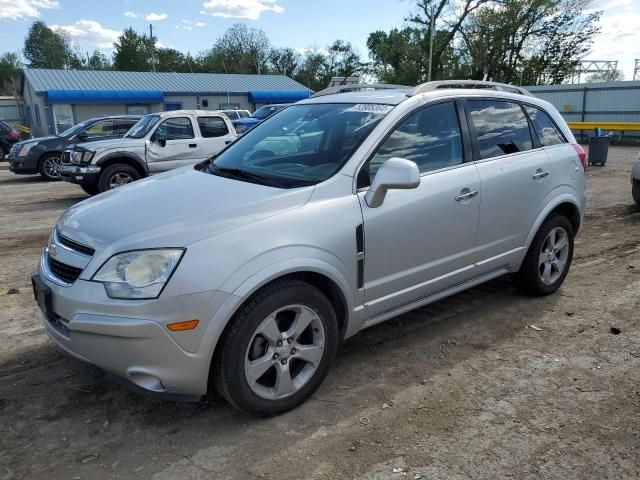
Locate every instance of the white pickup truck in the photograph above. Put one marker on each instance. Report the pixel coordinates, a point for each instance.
(156, 143)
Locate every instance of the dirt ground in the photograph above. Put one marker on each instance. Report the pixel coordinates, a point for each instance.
(461, 389)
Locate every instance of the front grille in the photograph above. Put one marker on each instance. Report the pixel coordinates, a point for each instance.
(64, 272)
(73, 245)
(14, 151)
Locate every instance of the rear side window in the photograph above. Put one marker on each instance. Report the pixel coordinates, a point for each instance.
(501, 127)
(100, 129)
(178, 128)
(547, 131)
(212, 127)
(430, 138)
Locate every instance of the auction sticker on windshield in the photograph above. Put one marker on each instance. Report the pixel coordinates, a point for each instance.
(370, 108)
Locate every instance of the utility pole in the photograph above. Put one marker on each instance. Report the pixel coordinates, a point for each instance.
(153, 48)
(431, 35)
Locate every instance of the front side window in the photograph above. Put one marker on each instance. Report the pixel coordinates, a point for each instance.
(501, 127)
(179, 128)
(100, 129)
(212, 127)
(430, 137)
(302, 145)
(547, 131)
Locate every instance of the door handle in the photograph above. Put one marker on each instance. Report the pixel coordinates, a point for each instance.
(466, 196)
(193, 145)
(539, 174)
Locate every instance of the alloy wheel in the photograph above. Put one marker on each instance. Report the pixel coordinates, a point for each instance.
(553, 256)
(118, 179)
(51, 167)
(284, 352)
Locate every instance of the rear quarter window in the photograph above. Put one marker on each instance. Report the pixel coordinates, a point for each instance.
(212, 127)
(501, 127)
(545, 128)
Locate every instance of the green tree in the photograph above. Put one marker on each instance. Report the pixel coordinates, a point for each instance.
(396, 56)
(285, 61)
(9, 69)
(243, 50)
(171, 60)
(132, 52)
(340, 60)
(608, 76)
(46, 48)
(97, 61)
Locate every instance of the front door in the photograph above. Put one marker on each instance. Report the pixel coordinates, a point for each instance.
(421, 241)
(515, 180)
(172, 145)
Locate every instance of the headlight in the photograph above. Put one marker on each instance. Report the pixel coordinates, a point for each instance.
(26, 148)
(140, 274)
(83, 156)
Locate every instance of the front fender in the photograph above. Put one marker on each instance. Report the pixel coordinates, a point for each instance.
(121, 154)
(635, 170)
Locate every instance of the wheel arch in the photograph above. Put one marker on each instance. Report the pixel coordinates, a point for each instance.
(565, 205)
(128, 159)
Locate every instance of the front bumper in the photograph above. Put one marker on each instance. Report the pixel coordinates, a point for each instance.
(23, 165)
(129, 338)
(81, 175)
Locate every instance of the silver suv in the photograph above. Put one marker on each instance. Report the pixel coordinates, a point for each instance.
(336, 214)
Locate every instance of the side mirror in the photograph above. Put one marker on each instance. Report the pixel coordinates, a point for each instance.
(395, 173)
(82, 136)
(162, 142)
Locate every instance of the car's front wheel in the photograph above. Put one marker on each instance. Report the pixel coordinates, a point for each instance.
(549, 257)
(635, 191)
(277, 349)
(117, 175)
(49, 166)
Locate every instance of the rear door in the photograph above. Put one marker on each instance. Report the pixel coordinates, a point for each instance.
(514, 176)
(180, 145)
(216, 132)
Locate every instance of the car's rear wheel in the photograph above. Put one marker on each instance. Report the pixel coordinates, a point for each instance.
(277, 350)
(549, 257)
(635, 191)
(117, 175)
(49, 166)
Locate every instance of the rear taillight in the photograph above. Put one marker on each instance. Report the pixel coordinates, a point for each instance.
(14, 134)
(581, 155)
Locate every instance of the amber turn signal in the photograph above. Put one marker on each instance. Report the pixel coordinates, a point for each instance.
(182, 326)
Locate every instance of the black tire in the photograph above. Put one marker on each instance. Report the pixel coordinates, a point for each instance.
(108, 175)
(3, 152)
(635, 191)
(90, 189)
(528, 278)
(228, 369)
(44, 167)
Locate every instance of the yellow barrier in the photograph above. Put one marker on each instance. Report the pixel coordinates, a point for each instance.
(21, 128)
(614, 126)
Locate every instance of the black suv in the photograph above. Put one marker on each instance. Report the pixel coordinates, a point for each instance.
(42, 155)
(8, 136)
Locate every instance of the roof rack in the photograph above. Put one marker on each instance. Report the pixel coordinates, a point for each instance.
(441, 84)
(357, 86)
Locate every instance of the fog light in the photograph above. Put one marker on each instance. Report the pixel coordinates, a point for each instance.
(182, 326)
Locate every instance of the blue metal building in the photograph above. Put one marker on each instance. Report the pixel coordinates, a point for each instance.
(54, 100)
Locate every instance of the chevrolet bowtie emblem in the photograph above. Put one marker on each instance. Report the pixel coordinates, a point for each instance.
(53, 250)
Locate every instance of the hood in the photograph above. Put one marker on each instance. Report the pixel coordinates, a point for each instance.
(110, 143)
(173, 209)
(39, 139)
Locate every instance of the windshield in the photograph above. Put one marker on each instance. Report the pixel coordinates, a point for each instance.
(264, 112)
(76, 129)
(301, 145)
(142, 126)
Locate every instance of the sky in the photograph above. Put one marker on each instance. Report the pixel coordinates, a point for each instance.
(194, 25)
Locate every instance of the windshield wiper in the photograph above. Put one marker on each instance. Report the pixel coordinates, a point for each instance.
(240, 174)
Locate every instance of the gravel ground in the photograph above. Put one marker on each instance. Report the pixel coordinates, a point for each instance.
(461, 389)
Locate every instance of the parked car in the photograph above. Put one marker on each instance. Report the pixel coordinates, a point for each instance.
(243, 125)
(8, 137)
(635, 180)
(248, 269)
(236, 114)
(156, 143)
(43, 155)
